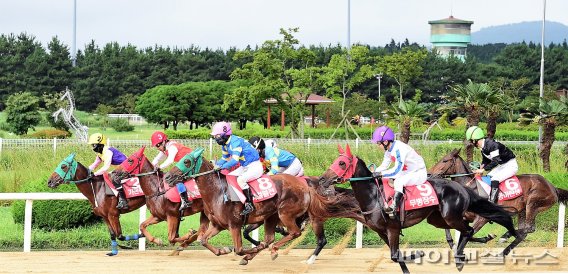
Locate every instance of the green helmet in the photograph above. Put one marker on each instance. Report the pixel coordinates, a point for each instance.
(474, 133)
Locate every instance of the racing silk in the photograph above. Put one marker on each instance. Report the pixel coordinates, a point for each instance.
(278, 158)
(110, 156)
(174, 152)
(237, 150)
(494, 154)
(405, 160)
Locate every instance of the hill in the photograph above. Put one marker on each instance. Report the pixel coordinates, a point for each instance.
(518, 32)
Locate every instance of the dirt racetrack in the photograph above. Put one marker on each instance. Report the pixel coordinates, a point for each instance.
(350, 261)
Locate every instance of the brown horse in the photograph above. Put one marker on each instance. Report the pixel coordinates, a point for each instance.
(293, 199)
(160, 207)
(93, 187)
(454, 201)
(538, 195)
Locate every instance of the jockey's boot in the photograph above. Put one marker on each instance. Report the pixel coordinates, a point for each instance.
(185, 202)
(393, 208)
(122, 202)
(494, 196)
(249, 206)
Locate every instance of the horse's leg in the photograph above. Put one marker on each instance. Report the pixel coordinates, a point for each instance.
(522, 223)
(213, 230)
(449, 238)
(478, 223)
(393, 243)
(269, 231)
(113, 242)
(152, 220)
(289, 221)
(465, 236)
(246, 233)
(318, 228)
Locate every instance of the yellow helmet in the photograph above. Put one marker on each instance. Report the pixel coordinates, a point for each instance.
(97, 138)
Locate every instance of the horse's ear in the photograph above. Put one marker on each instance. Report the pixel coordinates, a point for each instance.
(456, 151)
(348, 151)
(340, 149)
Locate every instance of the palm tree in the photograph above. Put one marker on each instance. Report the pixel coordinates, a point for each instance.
(494, 105)
(550, 114)
(471, 99)
(406, 114)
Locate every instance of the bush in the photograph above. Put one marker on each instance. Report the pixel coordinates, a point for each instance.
(121, 125)
(49, 134)
(54, 215)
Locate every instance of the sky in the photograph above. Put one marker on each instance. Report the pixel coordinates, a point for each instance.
(237, 23)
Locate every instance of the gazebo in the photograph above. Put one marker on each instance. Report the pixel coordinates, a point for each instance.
(312, 100)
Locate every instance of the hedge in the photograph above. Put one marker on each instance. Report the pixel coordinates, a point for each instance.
(56, 214)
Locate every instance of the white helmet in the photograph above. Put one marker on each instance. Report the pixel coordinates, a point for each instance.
(270, 143)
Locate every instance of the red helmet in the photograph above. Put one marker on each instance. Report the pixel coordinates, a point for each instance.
(158, 137)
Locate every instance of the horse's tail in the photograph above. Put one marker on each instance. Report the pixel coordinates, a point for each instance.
(562, 195)
(491, 212)
(335, 206)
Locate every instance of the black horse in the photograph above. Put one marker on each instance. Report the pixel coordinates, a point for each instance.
(454, 200)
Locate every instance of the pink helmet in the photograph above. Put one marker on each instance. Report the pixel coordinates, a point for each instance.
(383, 133)
(222, 128)
(158, 137)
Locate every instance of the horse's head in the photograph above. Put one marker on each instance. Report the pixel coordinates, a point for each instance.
(341, 169)
(187, 166)
(64, 172)
(135, 164)
(450, 164)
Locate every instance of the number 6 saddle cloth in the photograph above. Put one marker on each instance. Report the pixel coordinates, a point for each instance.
(508, 189)
(415, 197)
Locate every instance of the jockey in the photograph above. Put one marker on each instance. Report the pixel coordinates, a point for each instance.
(409, 168)
(109, 156)
(281, 161)
(236, 150)
(174, 152)
(499, 160)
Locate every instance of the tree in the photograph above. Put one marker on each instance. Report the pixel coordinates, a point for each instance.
(22, 112)
(406, 114)
(167, 104)
(470, 99)
(549, 114)
(403, 66)
(344, 71)
(277, 70)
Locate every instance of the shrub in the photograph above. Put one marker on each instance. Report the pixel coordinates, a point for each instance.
(121, 125)
(53, 215)
(50, 134)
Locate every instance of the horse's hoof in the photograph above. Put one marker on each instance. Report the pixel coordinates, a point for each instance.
(274, 256)
(243, 262)
(227, 249)
(311, 260)
(460, 266)
(503, 240)
(174, 253)
(159, 242)
(110, 254)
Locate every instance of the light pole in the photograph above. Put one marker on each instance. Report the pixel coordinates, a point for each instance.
(379, 76)
(542, 66)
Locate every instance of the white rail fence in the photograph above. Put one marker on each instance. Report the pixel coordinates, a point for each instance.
(30, 197)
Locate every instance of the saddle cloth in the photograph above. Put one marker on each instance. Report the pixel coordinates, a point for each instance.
(508, 189)
(131, 186)
(415, 197)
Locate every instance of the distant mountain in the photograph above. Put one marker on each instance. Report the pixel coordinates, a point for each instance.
(519, 32)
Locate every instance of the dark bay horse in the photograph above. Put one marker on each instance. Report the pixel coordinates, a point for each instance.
(538, 194)
(454, 201)
(93, 187)
(293, 199)
(160, 207)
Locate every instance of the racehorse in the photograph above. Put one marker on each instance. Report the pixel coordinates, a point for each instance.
(538, 195)
(293, 199)
(160, 207)
(70, 171)
(454, 201)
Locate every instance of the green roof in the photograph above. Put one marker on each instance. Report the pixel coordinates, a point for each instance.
(450, 20)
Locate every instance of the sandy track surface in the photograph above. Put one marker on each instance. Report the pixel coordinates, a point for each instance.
(350, 261)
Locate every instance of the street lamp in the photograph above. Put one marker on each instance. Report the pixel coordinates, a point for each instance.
(379, 76)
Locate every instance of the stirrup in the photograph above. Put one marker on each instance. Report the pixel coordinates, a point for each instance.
(122, 204)
(248, 209)
(184, 205)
